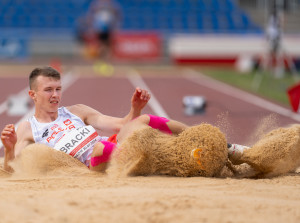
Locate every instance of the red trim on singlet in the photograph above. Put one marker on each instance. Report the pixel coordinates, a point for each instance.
(112, 139)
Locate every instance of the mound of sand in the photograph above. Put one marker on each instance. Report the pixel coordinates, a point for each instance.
(276, 153)
(4, 173)
(39, 159)
(150, 152)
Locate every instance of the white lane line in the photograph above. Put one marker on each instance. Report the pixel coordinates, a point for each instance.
(67, 80)
(137, 81)
(201, 79)
(3, 105)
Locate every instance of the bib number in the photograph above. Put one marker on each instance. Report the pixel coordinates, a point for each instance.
(78, 141)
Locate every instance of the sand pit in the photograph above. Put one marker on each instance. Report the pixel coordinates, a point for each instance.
(41, 160)
(63, 190)
(276, 153)
(99, 198)
(150, 152)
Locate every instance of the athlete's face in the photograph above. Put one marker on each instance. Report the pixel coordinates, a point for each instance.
(46, 93)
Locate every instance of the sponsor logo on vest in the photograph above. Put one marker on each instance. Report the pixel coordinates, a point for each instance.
(67, 122)
(45, 134)
(57, 129)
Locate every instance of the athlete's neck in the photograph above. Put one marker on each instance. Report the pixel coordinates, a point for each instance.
(45, 117)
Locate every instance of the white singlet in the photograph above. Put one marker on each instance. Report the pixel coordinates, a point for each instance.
(50, 133)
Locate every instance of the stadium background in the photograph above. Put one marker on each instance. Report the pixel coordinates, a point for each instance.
(169, 46)
(35, 29)
(173, 38)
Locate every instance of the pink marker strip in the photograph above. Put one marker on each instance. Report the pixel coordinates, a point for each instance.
(159, 123)
(107, 151)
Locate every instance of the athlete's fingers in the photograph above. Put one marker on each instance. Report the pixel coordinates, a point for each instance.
(4, 137)
(138, 91)
(7, 136)
(145, 94)
(7, 132)
(9, 127)
(148, 97)
(142, 96)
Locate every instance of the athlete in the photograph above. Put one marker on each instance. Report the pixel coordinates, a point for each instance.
(73, 129)
(52, 124)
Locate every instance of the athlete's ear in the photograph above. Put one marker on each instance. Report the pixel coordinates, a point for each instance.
(31, 94)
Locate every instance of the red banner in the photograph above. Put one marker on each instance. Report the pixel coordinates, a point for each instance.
(294, 96)
(137, 46)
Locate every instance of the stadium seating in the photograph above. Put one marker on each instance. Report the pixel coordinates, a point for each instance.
(38, 14)
(167, 16)
(186, 16)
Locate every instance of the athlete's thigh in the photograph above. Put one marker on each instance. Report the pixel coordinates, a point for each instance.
(138, 123)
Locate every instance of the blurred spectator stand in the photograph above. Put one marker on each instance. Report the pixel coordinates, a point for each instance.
(54, 27)
(13, 45)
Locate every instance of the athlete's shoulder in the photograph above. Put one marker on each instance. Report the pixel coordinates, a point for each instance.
(24, 125)
(24, 130)
(78, 108)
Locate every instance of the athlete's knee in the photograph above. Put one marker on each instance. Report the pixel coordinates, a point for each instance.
(142, 119)
(98, 149)
(102, 153)
(153, 121)
(159, 123)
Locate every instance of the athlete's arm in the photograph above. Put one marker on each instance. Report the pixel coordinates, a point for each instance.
(107, 123)
(139, 100)
(96, 119)
(14, 141)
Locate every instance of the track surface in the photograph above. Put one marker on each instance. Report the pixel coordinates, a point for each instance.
(237, 117)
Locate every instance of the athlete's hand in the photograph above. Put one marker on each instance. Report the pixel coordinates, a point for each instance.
(9, 137)
(140, 98)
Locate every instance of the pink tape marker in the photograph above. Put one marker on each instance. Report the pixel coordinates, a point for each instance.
(159, 123)
(107, 151)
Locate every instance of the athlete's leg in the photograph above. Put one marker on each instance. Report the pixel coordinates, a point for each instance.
(176, 127)
(101, 155)
(132, 126)
(163, 124)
